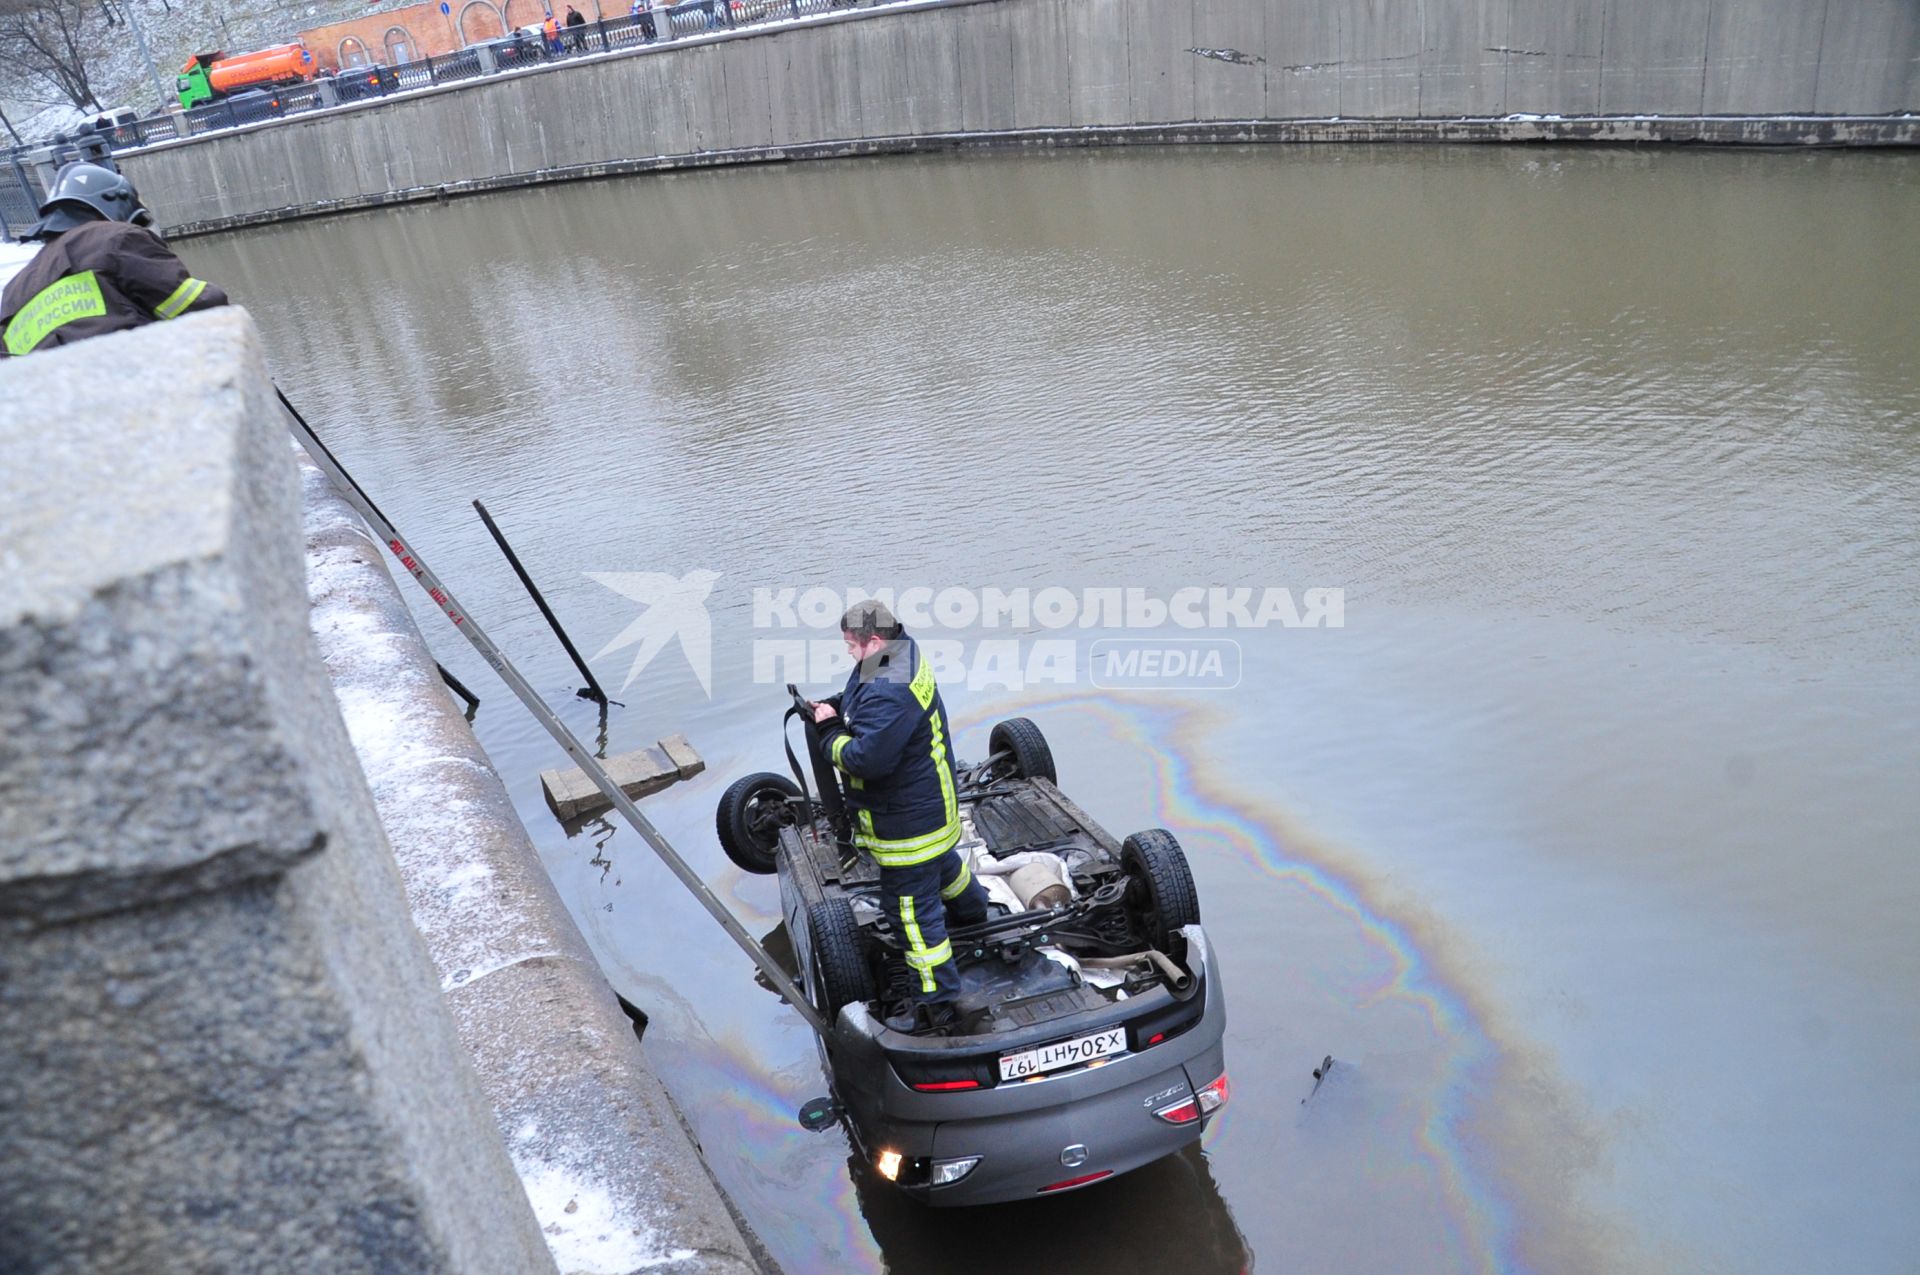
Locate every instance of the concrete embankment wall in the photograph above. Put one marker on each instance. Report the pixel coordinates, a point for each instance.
(281, 987)
(222, 1045)
(999, 72)
(615, 1181)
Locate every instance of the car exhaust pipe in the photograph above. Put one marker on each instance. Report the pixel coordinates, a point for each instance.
(1179, 982)
(1041, 885)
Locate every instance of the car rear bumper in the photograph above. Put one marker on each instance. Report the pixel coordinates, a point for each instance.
(1089, 1125)
(1070, 1146)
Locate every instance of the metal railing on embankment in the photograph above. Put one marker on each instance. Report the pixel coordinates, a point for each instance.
(24, 177)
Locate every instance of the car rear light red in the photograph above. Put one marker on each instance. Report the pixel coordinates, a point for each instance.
(1180, 1112)
(1156, 1038)
(1082, 1180)
(1205, 1101)
(946, 1086)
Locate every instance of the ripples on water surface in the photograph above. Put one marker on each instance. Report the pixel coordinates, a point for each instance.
(1588, 843)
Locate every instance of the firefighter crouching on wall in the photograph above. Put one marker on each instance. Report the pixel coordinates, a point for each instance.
(102, 270)
(889, 737)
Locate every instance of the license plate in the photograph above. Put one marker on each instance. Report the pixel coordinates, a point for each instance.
(1062, 1053)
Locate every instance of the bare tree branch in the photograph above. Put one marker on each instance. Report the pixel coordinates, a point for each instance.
(52, 43)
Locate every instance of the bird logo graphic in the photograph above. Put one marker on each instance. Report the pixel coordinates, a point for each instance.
(672, 607)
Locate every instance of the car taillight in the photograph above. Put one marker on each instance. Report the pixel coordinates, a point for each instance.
(945, 1074)
(1180, 1112)
(1205, 1102)
(1214, 1096)
(1163, 1025)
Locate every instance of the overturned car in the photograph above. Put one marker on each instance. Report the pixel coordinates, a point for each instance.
(1091, 1013)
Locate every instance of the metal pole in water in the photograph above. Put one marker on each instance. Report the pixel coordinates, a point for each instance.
(363, 504)
(592, 689)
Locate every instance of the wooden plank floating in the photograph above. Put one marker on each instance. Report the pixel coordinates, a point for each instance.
(640, 773)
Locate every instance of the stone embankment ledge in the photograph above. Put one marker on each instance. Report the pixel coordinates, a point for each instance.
(253, 1015)
(222, 1044)
(948, 74)
(615, 1180)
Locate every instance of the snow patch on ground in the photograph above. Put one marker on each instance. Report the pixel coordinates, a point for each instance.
(588, 1231)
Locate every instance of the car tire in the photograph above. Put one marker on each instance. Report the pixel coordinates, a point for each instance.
(1030, 758)
(749, 824)
(842, 975)
(1161, 895)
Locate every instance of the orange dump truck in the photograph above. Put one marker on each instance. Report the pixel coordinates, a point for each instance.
(208, 76)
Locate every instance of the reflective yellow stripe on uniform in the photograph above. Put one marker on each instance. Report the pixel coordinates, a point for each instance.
(77, 296)
(840, 743)
(919, 955)
(922, 683)
(183, 296)
(930, 958)
(908, 851)
(941, 768)
(960, 883)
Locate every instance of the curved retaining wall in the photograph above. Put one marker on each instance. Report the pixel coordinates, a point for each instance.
(917, 76)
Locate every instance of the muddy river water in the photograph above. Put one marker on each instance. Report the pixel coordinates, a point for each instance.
(1587, 841)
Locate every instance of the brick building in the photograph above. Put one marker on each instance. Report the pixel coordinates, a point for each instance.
(417, 31)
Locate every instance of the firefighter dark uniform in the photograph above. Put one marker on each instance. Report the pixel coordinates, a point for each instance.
(99, 272)
(890, 740)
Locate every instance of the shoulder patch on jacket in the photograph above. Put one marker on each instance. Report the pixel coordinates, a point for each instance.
(922, 684)
(77, 296)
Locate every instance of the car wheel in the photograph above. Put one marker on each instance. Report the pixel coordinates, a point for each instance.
(1028, 756)
(1161, 896)
(841, 973)
(751, 813)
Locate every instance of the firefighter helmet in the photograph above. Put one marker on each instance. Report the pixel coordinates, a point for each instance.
(87, 192)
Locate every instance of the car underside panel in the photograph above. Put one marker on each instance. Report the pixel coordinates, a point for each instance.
(1023, 819)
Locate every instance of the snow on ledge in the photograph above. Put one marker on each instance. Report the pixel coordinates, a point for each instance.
(597, 1190)
(588, 1230)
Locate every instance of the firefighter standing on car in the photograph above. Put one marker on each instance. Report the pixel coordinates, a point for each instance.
(889, 736)
(102, 270)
